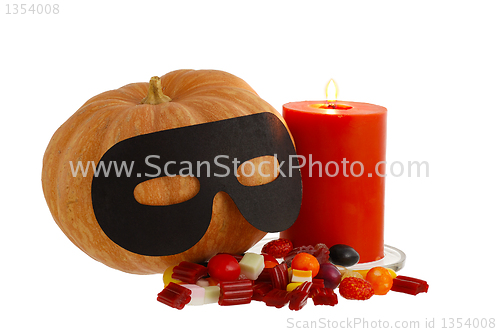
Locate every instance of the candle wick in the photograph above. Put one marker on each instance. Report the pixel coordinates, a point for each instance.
(331, 105)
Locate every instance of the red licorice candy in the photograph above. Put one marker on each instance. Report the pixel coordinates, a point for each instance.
(279, 276)
(277, 298)
(317, 283)
(189, 272)
(409, 285)
(260, 290)
(175, 296)
(299, 296)
(264, 277)
(236, 292)
(324, 296)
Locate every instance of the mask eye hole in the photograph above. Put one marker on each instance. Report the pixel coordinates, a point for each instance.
(165, 191)
(258, 171)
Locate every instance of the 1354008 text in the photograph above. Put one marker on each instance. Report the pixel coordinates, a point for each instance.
(27, 9)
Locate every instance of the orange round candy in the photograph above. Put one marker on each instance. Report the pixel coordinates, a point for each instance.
(381, 280)
(306, 261)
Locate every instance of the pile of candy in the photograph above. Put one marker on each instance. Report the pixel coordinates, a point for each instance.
(305, 272)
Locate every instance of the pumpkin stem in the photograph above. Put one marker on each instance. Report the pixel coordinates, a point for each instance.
(155, 95)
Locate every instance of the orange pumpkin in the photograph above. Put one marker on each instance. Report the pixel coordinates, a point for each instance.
(177, 99)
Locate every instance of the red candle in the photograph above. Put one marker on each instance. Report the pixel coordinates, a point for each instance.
(343, 175)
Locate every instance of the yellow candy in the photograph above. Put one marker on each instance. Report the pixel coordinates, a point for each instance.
(167, 276)
(291, 286)
(392, 272)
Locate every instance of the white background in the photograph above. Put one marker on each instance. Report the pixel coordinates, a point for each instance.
(433, 64)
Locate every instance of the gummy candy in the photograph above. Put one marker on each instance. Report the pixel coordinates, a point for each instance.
(409, 285)
(207, 281)
(279, 276)
(300, 276)
(212, 294)
(260, 290)
(175, 296)
(319, 251)
(167, 276)
(235, 292)
(261, 279)
(203, 282)
(252, 265)
(278, 247)
(292, 286)
(317, 283)
(277, 298)
(189, 272)
(197, 294)
(324, 296)
(264, 277)
(298, 297)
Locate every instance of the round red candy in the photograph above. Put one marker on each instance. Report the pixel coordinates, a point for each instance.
(224, 267)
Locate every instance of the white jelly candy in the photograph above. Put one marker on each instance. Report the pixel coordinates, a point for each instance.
(197, 294)
(252, 265)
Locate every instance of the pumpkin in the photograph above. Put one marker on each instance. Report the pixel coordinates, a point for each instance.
(178, 99)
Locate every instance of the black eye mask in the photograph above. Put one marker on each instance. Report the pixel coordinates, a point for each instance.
(173, 229)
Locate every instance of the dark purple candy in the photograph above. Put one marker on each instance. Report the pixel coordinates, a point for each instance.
(330, 274)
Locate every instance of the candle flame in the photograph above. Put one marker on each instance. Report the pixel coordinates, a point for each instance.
(331, 91)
